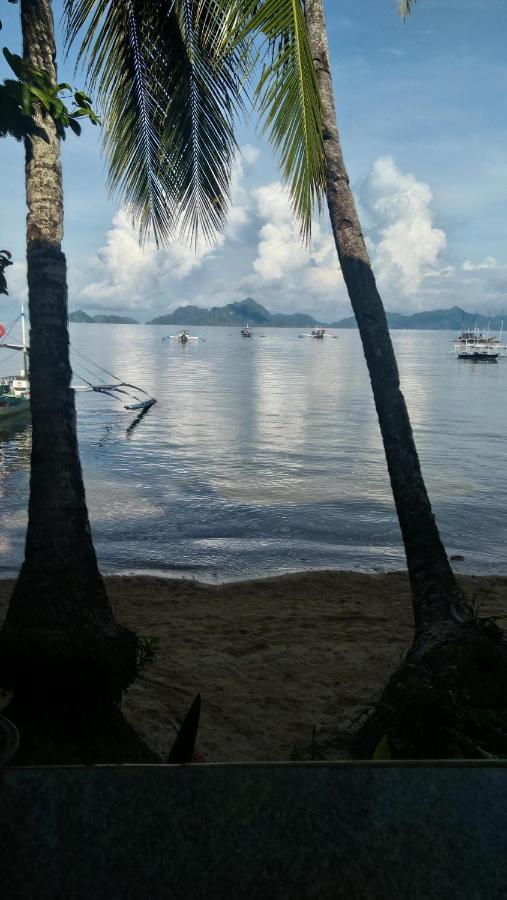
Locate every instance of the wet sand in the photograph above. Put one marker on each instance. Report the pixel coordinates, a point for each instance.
(271, 658)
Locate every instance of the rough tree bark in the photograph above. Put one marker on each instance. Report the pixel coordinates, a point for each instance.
(437, 597)
(449, 698)
(61, 652)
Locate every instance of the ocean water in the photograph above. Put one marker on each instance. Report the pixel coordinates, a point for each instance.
(264, 456)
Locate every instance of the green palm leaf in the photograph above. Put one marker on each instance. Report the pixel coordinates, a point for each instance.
(287, 95)
(405, 7)
(199, 125)
(169, 104)
(170, 75)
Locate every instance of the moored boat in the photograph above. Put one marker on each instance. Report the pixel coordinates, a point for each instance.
(15, 389)
(477, 345)
(183, 337)
(319, 333)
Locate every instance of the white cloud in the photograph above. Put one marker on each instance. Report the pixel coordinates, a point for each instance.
(282, 257)
(261, 254)
(124, 275)
(408, 244)
(489, 263)
(128, 276)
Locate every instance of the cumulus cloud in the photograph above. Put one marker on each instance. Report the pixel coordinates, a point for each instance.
(283, 261)
(408, 244)
(124, 275)
(128, 275)
(260, 253)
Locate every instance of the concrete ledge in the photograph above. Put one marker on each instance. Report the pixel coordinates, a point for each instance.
(294, 831)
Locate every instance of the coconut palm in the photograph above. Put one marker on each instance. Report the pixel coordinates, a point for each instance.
(170, 100)
(61, 651)
(170, 74)
(171, 77)
(437, 597)
(450, 696)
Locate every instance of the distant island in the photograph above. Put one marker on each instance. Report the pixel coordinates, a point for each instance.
(453, 319)
(248, 310)
(82, 317)
(234, 314)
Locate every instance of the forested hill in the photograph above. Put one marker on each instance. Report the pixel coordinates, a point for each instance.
(239, 313)
(233, 314)
(82, 317)
(453, 319)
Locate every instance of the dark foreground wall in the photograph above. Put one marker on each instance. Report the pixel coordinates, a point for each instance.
(295, 831)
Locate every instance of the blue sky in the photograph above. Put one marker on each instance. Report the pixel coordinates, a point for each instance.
(423, 118)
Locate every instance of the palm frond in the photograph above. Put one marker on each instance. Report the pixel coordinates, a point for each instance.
(169, 105)
(121, 72)
(405, 7)
(287, 95)
(199, 126)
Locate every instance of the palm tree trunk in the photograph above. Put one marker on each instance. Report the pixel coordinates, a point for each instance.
(61, 650)
(438, 601)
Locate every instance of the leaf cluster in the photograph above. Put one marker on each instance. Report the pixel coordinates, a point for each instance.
(34, 91)
(287, 97)
(5, 260)
(172, 77)
(405, 7)
(169, 105)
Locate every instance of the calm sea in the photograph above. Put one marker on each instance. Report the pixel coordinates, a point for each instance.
(264, 456)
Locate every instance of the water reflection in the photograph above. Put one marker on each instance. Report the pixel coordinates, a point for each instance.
(265, 455)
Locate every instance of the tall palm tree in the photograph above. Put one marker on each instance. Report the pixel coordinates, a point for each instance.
(438, 601)
(61, 651)
(449, 698)
(170, 99)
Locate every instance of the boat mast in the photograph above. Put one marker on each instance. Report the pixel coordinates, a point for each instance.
(25, 345)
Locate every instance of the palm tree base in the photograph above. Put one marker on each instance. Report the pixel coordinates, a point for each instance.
(48, 740)
(67, 684)
(449, 703)
(88, 665)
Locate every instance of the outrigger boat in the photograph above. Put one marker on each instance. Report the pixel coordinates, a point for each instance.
(15, 390)
(183, 337)
(319, 333)
(246, 331)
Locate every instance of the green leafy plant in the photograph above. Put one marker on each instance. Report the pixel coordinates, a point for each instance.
(35, 91)
(147, 647)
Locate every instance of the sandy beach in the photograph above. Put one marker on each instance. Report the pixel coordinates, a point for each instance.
(272, 658)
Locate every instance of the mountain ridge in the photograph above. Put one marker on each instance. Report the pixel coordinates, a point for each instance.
(249, 310)
(84, 319)
(237, 313)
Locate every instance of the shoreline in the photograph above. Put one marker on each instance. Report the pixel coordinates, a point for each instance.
(271, 657)
(193, 575)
